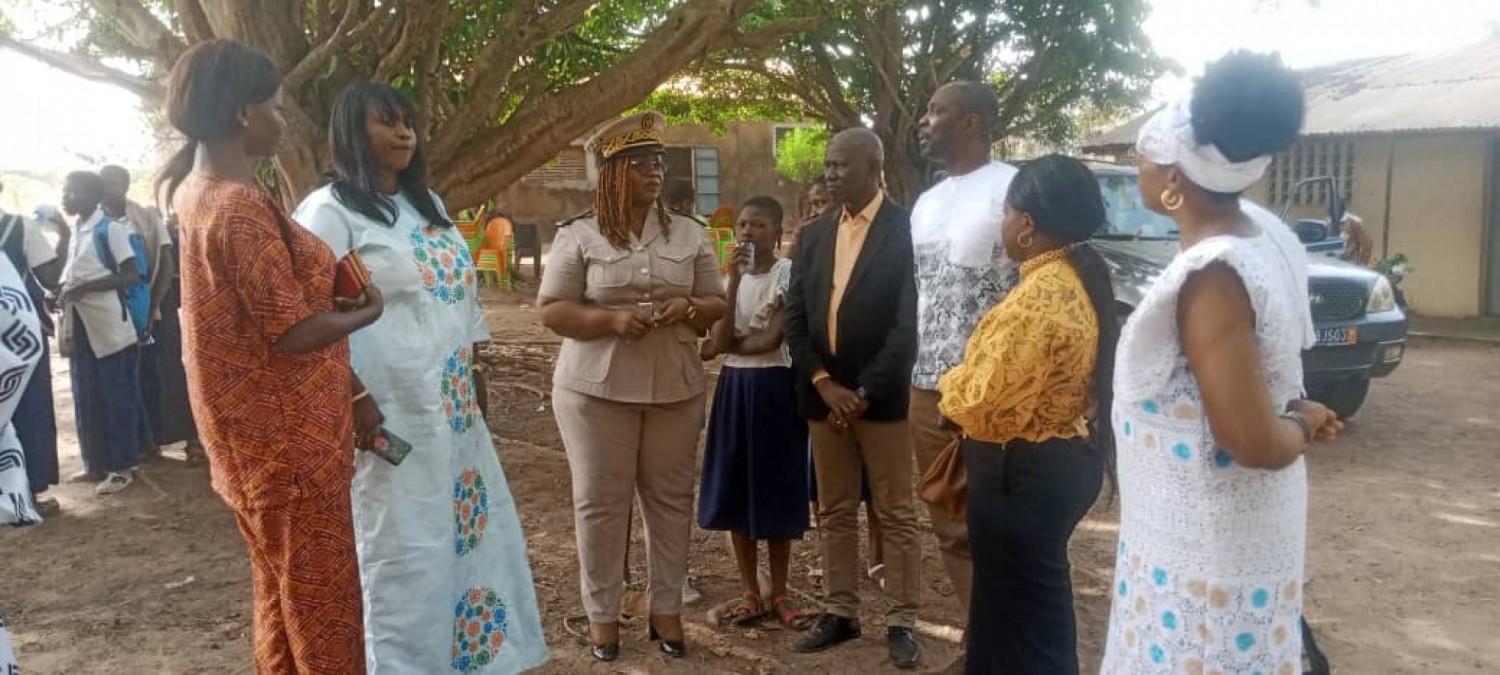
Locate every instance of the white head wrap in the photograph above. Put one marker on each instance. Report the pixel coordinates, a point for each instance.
(1168, 139)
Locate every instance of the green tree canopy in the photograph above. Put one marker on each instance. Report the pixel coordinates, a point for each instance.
(877, 63)
(504, 84)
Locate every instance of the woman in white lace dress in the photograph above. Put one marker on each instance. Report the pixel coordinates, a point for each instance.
(1208, 416)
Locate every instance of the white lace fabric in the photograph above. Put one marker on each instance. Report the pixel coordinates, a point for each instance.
(1210, 566)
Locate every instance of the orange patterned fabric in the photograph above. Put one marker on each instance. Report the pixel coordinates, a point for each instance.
(277, 427)
(1028, 370)
(308, 616)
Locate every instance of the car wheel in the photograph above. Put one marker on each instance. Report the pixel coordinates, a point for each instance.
(1344, 397)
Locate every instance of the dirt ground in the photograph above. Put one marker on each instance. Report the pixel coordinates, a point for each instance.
(1404, 552)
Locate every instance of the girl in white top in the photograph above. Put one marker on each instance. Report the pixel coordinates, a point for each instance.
(754, 482)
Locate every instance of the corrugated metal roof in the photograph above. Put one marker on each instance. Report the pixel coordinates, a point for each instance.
(1455, 89)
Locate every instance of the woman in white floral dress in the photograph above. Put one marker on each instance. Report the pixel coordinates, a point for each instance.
(1208, 416)
(447, 584)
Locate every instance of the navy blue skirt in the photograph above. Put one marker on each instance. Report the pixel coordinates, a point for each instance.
(755, 462)
(163, 378)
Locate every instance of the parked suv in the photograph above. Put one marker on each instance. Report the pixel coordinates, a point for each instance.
(1361, 332)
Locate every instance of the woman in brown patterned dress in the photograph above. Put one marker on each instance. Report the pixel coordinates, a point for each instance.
(267, 361)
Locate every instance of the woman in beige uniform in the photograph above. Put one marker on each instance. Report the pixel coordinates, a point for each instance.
(630, 287)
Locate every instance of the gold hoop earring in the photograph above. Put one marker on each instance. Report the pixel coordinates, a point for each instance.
(1027, 242)
(1170, 200)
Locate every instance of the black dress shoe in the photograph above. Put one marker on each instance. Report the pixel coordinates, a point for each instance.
(905, 652)
(673, 648)
(606, 653)
(830, 630)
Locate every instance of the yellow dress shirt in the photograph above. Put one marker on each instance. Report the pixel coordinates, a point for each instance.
(1028, 370)
(854, 228)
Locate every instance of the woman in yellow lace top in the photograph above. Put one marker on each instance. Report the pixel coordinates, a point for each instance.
(1034, 369)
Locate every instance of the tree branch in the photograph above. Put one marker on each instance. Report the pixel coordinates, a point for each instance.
(773, 33)
(493, 66)
(1017, 91)
(194, 21)
(421, 32)
(828, 78)
(318, 59)
(886, 59)
(89, 69)
(141, 28)
(797, 86)
(541, 124)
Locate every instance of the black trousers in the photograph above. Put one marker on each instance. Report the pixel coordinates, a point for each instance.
(1025, 499)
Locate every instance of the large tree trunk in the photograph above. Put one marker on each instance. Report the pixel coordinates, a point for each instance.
(906, 171)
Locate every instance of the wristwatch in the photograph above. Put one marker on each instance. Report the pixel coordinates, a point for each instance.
(860, 392)
(1301, 421)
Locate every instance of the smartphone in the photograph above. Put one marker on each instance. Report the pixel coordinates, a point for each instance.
(390, 447)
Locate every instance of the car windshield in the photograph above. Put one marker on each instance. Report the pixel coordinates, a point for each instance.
(1128, 218)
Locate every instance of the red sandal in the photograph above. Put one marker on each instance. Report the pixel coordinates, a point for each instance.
(750, 610)
(790, 615)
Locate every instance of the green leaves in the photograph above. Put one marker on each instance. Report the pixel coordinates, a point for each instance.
(878, 62)
(799, 154)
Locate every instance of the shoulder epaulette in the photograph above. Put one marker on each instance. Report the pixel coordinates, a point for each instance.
(690, 216)
(569, 221)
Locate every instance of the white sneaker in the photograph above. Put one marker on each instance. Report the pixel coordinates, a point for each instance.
(113, 483)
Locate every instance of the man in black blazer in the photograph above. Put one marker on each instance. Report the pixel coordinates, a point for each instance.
(851, 327)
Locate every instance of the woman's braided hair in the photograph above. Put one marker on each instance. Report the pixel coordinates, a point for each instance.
(612, 203)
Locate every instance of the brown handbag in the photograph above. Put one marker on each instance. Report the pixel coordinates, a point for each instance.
(946, 484)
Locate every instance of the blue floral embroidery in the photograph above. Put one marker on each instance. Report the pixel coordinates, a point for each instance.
(479, 629)
(1222, 459)
(471, 511)
(1244, 641)
(444, 263)
(1182, 451)
(457, 386)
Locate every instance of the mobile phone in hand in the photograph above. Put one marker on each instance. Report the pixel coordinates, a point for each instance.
(390, 447)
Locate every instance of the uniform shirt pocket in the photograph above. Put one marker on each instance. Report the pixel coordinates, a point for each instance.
(675, 265)
(608, 267)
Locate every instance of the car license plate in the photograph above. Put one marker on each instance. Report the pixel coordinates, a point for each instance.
(1338, 336)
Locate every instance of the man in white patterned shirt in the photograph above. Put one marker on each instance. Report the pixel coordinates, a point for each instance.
(962, 272)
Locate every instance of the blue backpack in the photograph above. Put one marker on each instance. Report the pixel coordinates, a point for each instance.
(135, 299)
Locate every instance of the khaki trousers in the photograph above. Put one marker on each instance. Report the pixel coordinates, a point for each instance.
(884, 449)
(617, 451)
(928, 438)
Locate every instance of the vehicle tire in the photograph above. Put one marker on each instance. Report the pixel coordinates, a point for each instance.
(1344, 397)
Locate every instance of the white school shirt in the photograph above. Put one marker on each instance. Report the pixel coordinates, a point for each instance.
(34, 245)
(109, 327)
